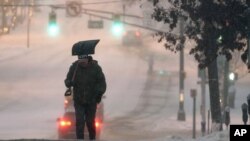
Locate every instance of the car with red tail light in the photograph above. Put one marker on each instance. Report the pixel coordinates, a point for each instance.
(132, 37)
(66, 124)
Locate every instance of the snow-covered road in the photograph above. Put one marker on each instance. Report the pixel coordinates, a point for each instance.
(137, 106)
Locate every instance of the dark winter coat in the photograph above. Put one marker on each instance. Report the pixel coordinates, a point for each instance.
(89, 83)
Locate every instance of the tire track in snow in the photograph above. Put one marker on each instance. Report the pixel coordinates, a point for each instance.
(17, 56)
(54, 54)
(154, 99)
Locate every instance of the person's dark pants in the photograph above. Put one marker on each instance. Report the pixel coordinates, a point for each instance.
(85, 113)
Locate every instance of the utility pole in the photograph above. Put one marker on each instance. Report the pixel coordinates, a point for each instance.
(181, 113)
(193, 95)
(226, 85)
(202, 75)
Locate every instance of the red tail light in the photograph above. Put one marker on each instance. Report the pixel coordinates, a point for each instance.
(64, 123)
(97, 123)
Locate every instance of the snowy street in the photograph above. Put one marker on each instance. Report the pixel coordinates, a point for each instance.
(138, 105)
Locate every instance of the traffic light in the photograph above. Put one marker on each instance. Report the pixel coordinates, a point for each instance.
(117, 25)
(53, 28)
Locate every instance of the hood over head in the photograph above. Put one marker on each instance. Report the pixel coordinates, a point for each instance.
(86, 61)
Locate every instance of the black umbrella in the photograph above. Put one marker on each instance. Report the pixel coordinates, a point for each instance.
(84, 47)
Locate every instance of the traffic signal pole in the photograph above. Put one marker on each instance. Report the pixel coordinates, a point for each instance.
(85, 11)
(111, 13)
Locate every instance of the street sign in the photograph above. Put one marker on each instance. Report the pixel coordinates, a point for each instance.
(73, 8)
(95, 24)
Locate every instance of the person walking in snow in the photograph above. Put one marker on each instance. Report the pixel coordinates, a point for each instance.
(86, 77)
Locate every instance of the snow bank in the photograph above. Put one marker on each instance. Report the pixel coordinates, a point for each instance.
(218, 136)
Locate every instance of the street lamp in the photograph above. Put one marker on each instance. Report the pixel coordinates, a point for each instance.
(181, 97)
(181, 113)
(232, 76)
